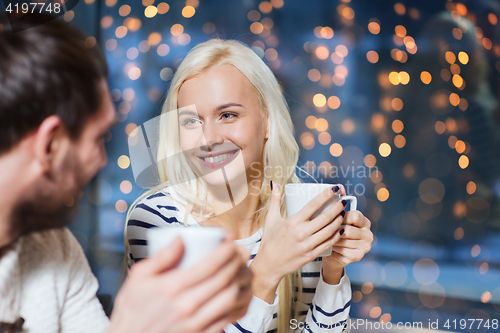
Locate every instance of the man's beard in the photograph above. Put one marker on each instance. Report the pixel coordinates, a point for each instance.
(40, 214)
(40, 210)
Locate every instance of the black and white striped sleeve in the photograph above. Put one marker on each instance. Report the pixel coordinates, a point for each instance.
(328, 310)
(156, 210)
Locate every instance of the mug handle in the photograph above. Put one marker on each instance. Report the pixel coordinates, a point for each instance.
(353, 199)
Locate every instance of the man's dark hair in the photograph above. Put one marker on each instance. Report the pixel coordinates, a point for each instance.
(46, 69)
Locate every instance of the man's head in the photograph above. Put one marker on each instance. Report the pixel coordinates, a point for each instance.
(55, 109)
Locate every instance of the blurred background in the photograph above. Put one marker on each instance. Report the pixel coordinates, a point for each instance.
(397, 100)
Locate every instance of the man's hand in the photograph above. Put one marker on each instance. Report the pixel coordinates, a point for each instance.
(157, 297)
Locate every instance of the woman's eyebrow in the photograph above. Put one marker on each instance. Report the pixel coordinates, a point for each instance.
(188, 113)
(227, 105)
(218, 108)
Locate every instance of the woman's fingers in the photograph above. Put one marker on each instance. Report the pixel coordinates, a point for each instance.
(316, 203)
(274, 212)
(324, 234)
(356, 218)
(325, 245)
(349, 255)
(325, 218)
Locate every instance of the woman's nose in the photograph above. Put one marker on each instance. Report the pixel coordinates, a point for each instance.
(212, 135)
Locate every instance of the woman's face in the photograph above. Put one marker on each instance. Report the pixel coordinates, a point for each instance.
(222, 130)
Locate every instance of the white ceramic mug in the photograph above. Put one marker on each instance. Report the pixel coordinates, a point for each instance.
(298, 195)
(199, 242)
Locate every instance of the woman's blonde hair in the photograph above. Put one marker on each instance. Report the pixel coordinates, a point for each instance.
(280, 156)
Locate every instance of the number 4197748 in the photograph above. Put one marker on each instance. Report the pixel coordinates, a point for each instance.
(471, 323)
(32, 7)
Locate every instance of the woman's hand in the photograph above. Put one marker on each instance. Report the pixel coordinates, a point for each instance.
(355, 241)
(288, 244)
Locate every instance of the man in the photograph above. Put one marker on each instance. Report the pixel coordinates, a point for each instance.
(55, 109)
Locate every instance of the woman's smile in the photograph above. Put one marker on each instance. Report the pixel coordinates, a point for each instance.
(218, 159)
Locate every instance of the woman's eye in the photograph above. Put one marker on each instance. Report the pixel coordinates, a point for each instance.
(228, 115)
(189, 121)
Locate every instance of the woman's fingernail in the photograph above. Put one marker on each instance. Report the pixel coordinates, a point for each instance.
(271, 183)
(344, 202)
(341, 232)
(335, 189)
(342, 213)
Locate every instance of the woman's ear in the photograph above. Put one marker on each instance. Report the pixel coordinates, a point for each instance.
(47, 141)
(268, 127)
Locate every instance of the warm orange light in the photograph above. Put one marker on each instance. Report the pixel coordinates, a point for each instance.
(319, 100)
(457, 81)
(121, 206)
(348, 126)
(334, 102)
(314, 75)
(154, 38)
(457, 33)
(426, 77)
(342, 49)
(471, 187)
(463, 161)
(399, 141)
(322, 52)
(492, 18)
(372, 56)
(463, 57)
(256, 28)
(397, 104)
(265, 7)
(397, 126)
(384, 149)
(454, 99)
(370, 160)
(307, 141)
(374, 28)
(121, 31)
(126, 186)
(321, 124)
(450, 57)
(188, 11)
(177, 29)
(382, 195)
(311, 122)
(399, 8)
(400, 31)
(440, 127)
(324, 138)
(124, 10)
(150, 11)
(163, 7)
(336, 150)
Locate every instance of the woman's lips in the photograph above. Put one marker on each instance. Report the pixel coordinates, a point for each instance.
(216, 161)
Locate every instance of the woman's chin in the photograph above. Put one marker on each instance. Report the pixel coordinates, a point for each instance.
(215, 181)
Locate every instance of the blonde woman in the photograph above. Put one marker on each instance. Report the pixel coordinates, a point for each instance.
(226, 128)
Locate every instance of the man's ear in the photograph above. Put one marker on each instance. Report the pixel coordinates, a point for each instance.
(48, 138)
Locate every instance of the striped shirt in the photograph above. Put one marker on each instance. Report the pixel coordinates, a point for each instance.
(324, 307)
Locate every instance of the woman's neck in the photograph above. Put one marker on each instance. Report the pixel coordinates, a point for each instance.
(240, 220)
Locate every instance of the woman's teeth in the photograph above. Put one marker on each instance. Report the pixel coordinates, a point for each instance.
(217, 158)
